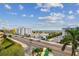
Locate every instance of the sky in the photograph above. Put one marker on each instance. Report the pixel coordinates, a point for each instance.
(39, 16)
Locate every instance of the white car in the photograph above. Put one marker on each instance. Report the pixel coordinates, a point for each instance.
(36, 39)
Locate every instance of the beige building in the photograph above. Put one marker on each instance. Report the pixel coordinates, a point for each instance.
(1, 34)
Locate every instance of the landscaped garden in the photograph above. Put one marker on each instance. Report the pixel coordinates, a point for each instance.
(41, 51)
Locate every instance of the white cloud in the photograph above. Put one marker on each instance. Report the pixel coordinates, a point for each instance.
(31, 15)
(71, 17)
(2, 22)
(47, 6)
(57, 5)
(77, 11)
(21, 7)
(24, 15)
(44, 10)
(55, 17)
(7, 6)
(13, 13)
(51, 13)
(70, 12)
(62, 22)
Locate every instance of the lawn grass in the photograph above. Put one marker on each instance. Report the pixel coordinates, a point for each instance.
(6, 43)
(10, 48)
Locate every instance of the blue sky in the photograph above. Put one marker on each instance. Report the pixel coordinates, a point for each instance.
(39, 16)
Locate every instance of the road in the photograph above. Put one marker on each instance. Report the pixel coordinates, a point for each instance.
(56, 48)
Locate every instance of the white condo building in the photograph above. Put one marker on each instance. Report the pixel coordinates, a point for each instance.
(24, 31)
(18, 31)
(28, 31)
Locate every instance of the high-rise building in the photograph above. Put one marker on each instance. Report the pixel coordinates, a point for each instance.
(27, 31)
(18, 31)
(24, 31)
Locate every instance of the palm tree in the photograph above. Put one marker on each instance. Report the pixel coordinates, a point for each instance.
(71, 38)
(36, 51)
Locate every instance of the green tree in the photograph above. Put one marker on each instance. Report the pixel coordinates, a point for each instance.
(13, 31)
(9, 35)
(37, 51)
(71, 38)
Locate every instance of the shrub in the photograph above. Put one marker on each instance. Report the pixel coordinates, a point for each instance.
(9, 35)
